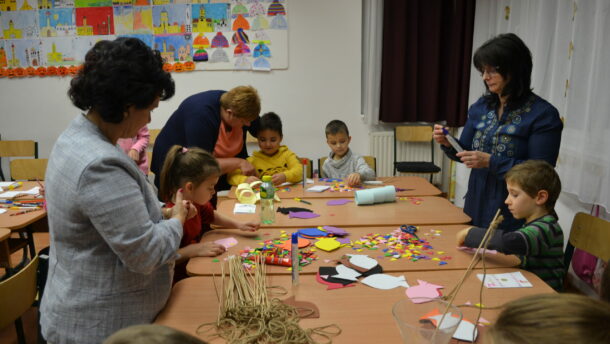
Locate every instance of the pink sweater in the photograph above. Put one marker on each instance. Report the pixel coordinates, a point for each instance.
(139, 143)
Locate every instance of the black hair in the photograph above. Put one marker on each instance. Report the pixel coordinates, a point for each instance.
(271, 121)
(513, 60)
(118, 74)
(336, 126)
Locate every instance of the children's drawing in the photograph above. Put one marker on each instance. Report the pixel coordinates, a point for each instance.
(260, 23)
(92, 3)
(200, 43)
(57, 22)
(171, 20)
(18, 25)
(23, 53)
(58, 51)
(147, 39)
(133, 19)
(279, 22)
(210, 17)
(239, 9)
(83, 44)
(240, 37)
(275, 8)
(241, 23)
(261, 36)
(241, 50)
(94, 21)
(220, 41)
(219, 55)
(174, 48)
(256, 9)
(48, 4)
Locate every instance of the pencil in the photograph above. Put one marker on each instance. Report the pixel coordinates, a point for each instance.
(24, 212)
(302, 200)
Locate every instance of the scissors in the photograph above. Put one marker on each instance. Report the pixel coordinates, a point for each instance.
(409, 229)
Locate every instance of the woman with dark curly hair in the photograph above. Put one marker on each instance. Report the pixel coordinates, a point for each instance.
(506, 126)
(112, 255)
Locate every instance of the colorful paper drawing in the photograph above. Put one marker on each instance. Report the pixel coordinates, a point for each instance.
(241, 50)
(302, 215)
(141, 2)
(275, 8)
(256, 9)
(83, 44)
(201, 41)
(92, 3)
(23, 53)
(171, 20)
(385, 282)
(240, 37)
(260, 23)
(19, 25)
(57, 22)
(239, 9)
(123, 19)
(94, 21)
(147, 39)
(279, 23)
(58, 51)
(262, 50)
(130, 19)
(507, 280)
(242, 63)
(220, 41)
(423, 292)
(162, 2)
(210, 17)
(219, 55)
(47, 4)
(23, 5)
(241, 23)
(227, 242)
(261, 36)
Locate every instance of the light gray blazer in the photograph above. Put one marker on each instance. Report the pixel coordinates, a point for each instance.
(112, 254)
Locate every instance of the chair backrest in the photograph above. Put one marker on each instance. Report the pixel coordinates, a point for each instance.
(370, 160)
(414, 133)
(590, 234)
(28, 169)
(19, 148)
(17, 293)
(309, 169)
(153, 137)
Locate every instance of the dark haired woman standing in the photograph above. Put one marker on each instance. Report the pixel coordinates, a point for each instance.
(112, 253)
(506, 126)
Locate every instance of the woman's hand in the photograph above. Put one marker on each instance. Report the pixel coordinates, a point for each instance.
(247, 169)
(474, 159)
(252, 179)
(192, 210)
(181, 207)
(278, 178)
(249, 226)
(354, 179)
(134, 154)
(206, 249)
(439, 136)
(461, 236)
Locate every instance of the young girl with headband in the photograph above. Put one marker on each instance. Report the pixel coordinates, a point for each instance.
(196, 172)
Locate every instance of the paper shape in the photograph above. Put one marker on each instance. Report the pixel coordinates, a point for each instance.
(327, 244)
(287, 245)
(331, 285)
(312, 232)
(346, 273)
(362, 260)
(466, 331)
(424, 291)
(287, 210)
(472, 250)
(261, 64)
(385, 282)
(335, 230)
(344, 241)
(338, 201)
(318, 188)
(449, 320)
(507, 280)
(302, 215)
(2, 211)
(241, 208)
(227, 242)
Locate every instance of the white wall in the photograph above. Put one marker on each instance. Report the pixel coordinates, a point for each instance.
(322, 82)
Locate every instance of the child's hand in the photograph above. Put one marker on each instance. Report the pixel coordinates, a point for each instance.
(354, 179)
(439, 136)
(252, 179)
(278, 178)
(206, 249)
(461, 236)
(247, 169)
(133, 154)
(249, 226)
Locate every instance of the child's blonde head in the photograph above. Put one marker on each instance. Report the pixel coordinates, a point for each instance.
(533, 176)
(552, 319)
(184, 165)
(151, 334)
(243, 101)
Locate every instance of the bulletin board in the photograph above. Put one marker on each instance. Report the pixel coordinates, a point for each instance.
(51, 37)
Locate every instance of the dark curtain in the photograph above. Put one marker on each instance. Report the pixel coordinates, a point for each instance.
(427, 46)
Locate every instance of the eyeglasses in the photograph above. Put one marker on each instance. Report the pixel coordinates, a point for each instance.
(491, 71)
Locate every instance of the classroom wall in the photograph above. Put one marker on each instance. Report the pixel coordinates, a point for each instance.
(322, 82)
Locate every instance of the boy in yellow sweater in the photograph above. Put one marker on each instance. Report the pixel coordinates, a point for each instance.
(273, 159)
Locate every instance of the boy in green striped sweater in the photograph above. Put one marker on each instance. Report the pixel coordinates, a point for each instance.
(533, 188)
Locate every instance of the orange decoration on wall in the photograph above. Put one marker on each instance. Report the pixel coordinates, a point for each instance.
(30, 71)
(73, 70)
(41, 71)
(52, 70)
(3, 72)
(62, 70)
(178, 67)
(189, 66)
(10, 73)
(168, 67)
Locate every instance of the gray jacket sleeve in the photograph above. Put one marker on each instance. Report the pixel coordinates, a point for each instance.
(365, 171)
(119, 212)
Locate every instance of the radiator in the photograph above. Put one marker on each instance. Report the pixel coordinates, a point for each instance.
(382, 148)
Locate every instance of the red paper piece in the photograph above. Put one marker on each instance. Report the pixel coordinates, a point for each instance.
(332, 285)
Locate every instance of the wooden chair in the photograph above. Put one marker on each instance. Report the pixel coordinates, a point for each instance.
(309, 171)
(151, 143)
(417, 135)
(370, 160)
(22, 148)
(28, 169)
(17, 295)
(590, 234)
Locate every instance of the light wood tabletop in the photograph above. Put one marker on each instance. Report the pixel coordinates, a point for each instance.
(17, 222)
(420, 211)
(407, 186)
(364, 314)
(5, 253)
(441, 238)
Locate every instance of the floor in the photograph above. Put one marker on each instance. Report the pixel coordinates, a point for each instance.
(30, 318)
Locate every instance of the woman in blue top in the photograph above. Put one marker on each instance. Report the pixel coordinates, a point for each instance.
(506, 126)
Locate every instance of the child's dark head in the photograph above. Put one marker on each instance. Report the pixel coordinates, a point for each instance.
(533, 176)
(551, 318)
(337, 137)
(151, 334)
(270, 133)
(186, 165)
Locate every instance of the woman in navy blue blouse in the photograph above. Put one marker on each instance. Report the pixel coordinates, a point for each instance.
(506, 126)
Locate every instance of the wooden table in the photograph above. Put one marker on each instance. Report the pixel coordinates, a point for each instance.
(364, 314)
(428, 211)
(445, 243)
(413, 186)
(5, 253)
